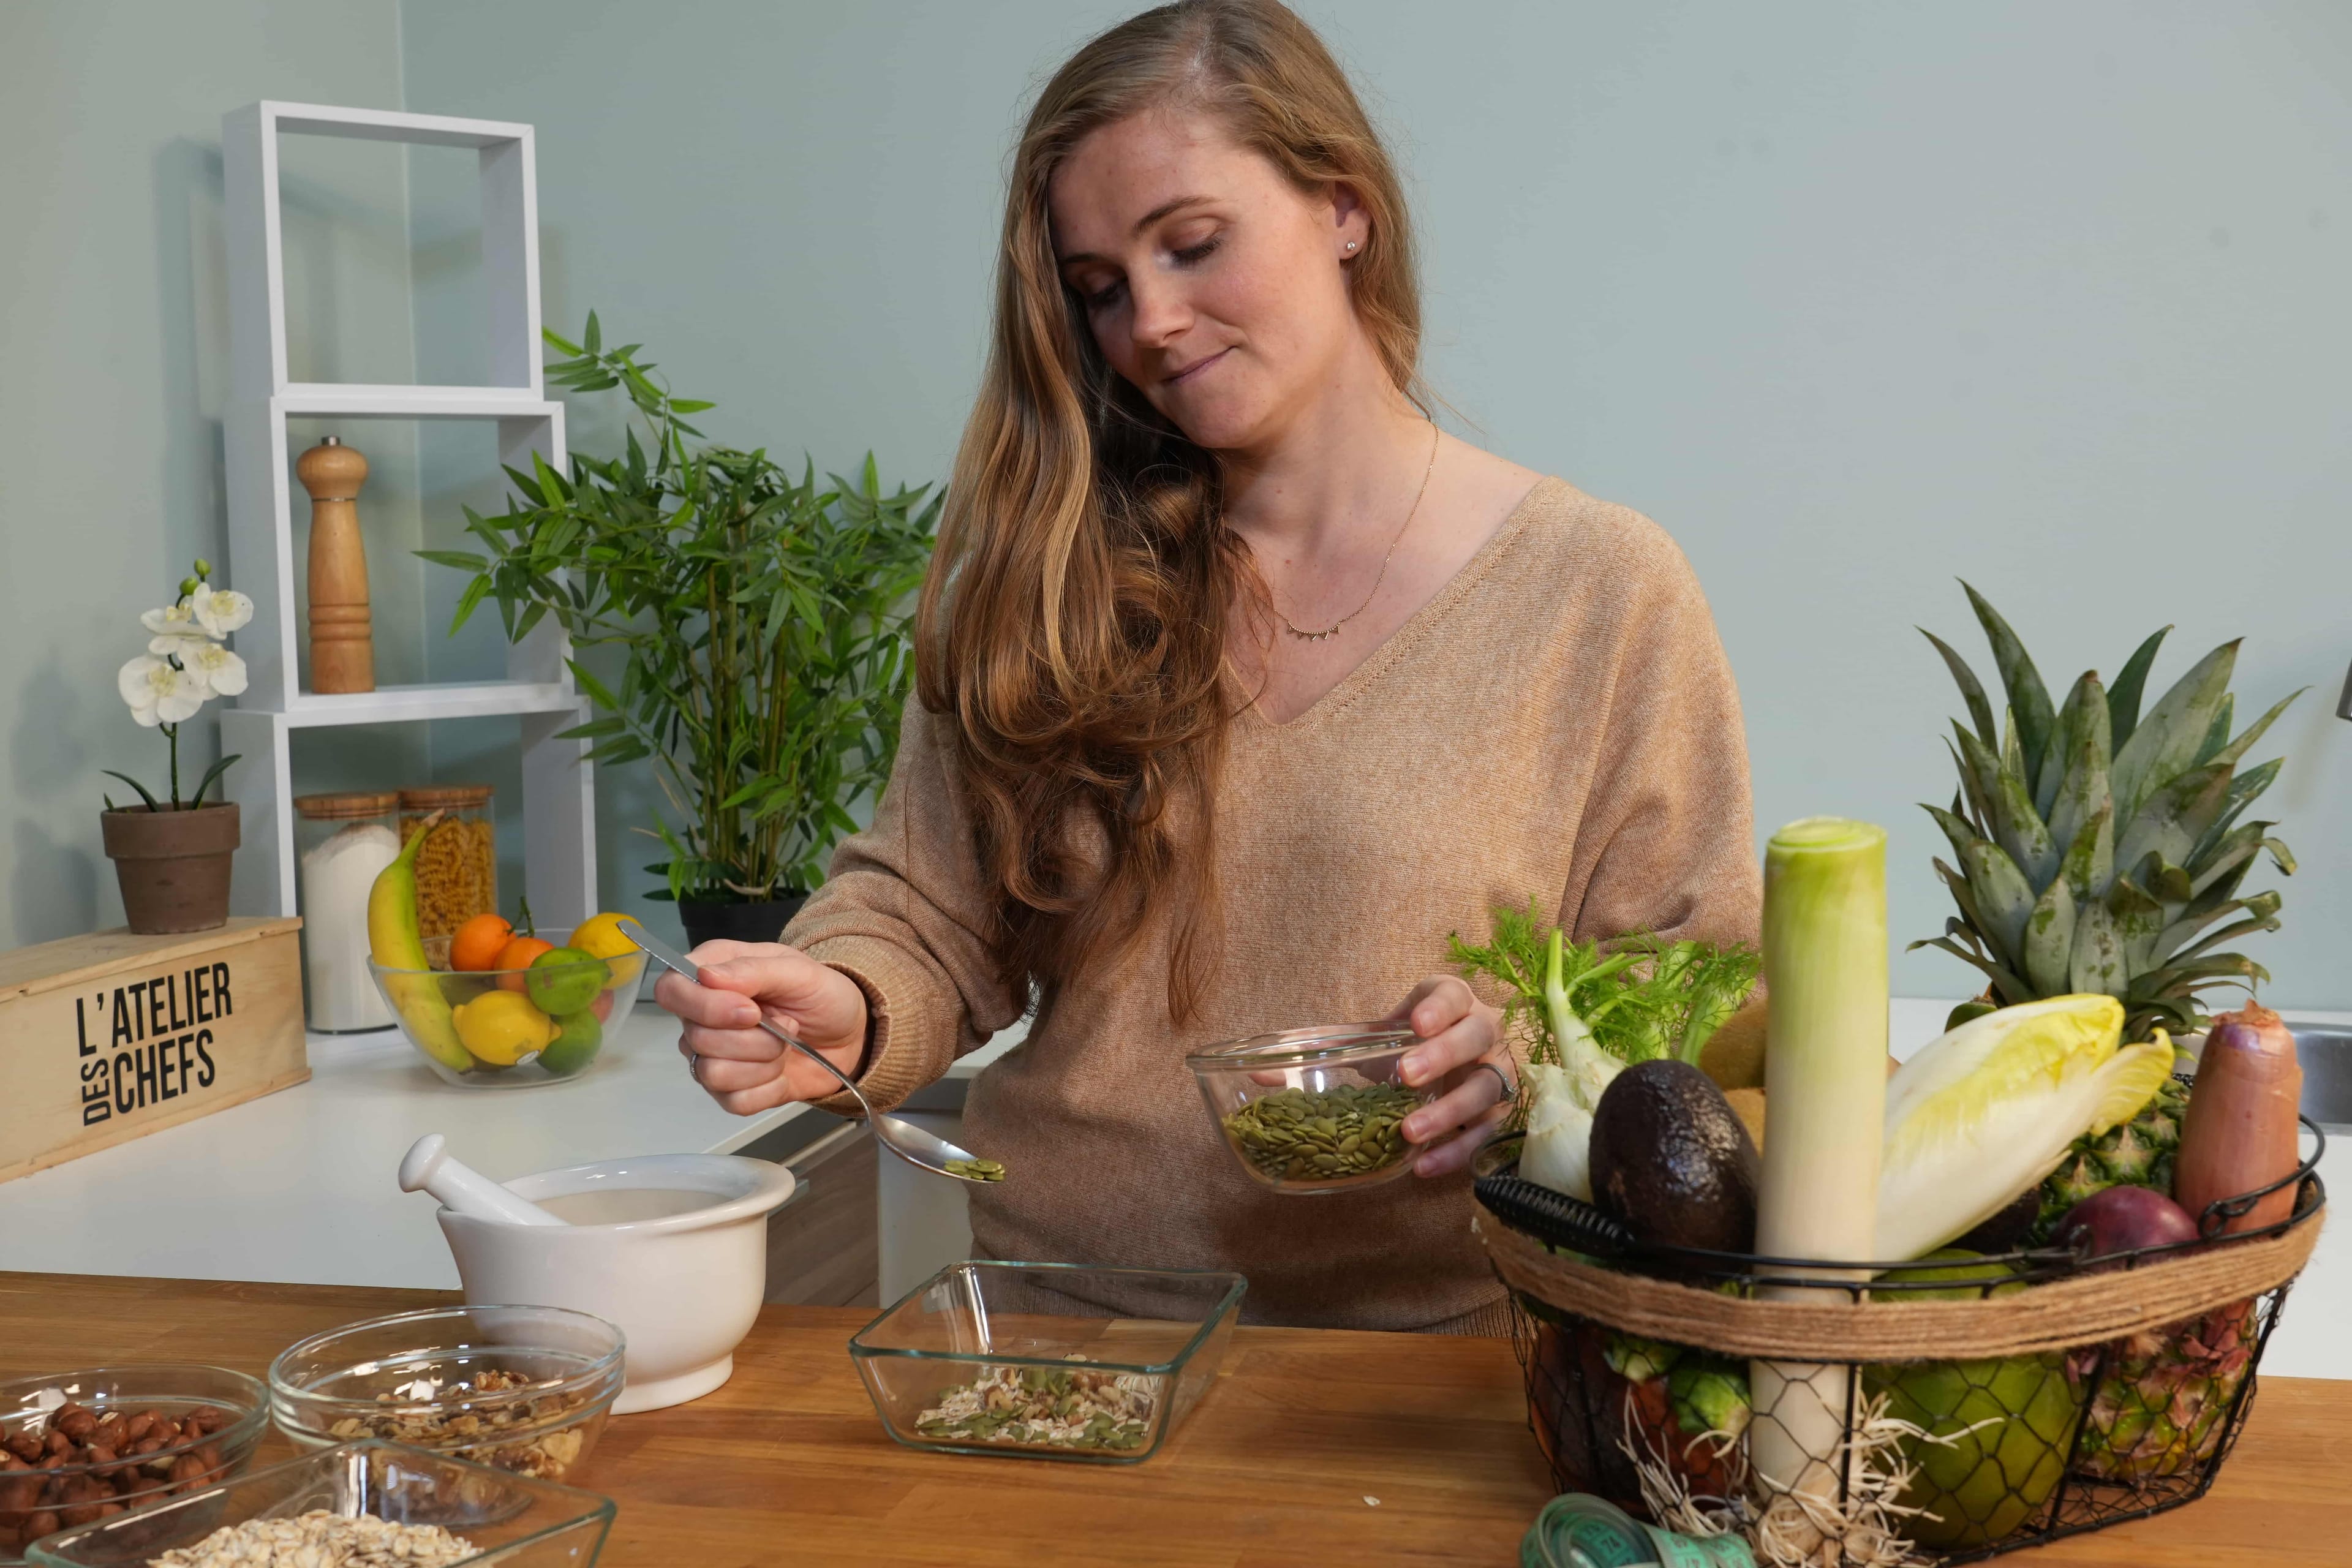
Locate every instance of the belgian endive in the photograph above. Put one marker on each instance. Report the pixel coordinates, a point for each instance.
(1987, 1110)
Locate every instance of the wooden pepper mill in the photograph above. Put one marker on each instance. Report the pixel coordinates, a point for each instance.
(343, 645)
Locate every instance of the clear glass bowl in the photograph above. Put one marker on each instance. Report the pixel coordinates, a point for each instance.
(518, 1521)
(1046, 1333)
(416, 1378)
(33, 1502)
(1313, 1110)
(505, 1032)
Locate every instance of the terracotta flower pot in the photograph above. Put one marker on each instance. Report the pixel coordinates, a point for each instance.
(172, 866)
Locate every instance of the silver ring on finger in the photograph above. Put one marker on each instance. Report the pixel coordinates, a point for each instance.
(1510, 1090)
(693, 1068)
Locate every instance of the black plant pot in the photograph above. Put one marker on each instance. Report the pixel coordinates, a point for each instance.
(735, 921)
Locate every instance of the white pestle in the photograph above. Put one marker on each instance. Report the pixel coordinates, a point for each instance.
(428, 1166)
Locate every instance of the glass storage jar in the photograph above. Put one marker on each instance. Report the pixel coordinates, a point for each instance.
(457, 869)
(340, 842)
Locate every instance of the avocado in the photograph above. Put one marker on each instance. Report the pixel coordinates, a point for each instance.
(1672, 1160)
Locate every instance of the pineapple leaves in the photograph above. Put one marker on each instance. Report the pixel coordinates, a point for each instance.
(2084, 790)
(2029, 700)
(2097, 962)
(2166, 742)
(2004, 899)
(2016, 825)
(1971, 691)
(2099, 847)
(2123, 699)
(2049, 938)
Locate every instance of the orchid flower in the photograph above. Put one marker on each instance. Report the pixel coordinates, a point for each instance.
(221, 672)
(161, 694)
(219, 610)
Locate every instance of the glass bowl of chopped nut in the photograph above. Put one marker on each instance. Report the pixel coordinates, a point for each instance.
(367, 1502)
(521, 1389)
(1055, 1361)
(1313, 1110)
(76, 1446)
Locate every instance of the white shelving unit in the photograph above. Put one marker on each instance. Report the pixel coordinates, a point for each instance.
(559, 802)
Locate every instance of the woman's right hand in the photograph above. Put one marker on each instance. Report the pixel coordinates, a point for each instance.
(740, 1065)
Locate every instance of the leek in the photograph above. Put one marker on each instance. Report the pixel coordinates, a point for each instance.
(1825, 1081)
(1988, 1109)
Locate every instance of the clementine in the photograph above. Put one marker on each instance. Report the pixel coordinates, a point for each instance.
(474, 946)
(517, 956)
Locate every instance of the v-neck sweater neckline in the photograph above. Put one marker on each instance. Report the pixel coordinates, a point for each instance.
(1415, 627)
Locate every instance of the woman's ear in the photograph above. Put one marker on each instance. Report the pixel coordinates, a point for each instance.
(1351, 221)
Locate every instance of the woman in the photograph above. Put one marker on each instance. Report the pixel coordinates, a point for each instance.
(1240, 687)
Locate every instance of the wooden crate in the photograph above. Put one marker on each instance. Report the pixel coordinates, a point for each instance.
(107, 1038)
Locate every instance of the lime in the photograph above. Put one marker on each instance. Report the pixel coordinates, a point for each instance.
(578, 1039)
(563, 980)
(501, 1028)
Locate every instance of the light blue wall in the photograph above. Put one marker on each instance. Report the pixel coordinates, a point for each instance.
(1853, 300)
(114, 334)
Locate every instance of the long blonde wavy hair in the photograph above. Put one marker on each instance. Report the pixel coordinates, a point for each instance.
(1074, 623)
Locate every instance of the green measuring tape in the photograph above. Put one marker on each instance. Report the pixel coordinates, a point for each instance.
(1578, 1530)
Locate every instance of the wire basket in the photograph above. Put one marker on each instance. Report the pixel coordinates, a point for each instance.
(1829, 1415)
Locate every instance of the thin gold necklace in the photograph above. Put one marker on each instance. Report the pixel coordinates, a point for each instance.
(1333, 629)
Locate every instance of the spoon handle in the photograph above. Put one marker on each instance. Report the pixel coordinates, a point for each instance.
(670, 958)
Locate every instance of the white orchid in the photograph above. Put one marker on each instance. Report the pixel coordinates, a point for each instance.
(161, 694)
(172, 624)
(219, 610)
(221, 672)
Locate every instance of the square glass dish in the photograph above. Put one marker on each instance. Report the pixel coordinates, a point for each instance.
(1054, 1360)
(509, 1519)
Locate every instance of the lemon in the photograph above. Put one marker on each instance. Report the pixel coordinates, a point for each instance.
(599, 936)
(502, 1028)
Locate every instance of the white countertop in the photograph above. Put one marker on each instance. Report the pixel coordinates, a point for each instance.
(297, 1186)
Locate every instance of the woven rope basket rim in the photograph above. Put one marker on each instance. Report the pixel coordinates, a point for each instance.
(2087, 1311)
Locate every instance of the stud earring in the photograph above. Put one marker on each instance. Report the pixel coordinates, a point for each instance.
(1351, 244)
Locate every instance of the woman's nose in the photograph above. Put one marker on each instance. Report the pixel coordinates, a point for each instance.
(1161, 315)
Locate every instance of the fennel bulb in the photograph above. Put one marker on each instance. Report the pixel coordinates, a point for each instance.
(1989, 1109)
(1557, 1153)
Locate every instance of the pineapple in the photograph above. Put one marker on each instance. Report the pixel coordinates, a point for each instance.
(2137, 1153)
(2160, 1406)
(2096, 842)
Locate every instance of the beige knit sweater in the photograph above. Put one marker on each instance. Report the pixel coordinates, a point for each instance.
(1559, 721)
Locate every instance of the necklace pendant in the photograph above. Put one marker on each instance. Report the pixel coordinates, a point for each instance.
(1323, 636)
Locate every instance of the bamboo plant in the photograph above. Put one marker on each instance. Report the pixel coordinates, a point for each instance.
(759, 620)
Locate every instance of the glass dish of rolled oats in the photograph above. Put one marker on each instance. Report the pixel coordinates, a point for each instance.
(357, 1505)
(1047, 1360)
(520, 1389)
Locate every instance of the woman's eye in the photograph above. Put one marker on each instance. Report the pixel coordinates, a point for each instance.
(1192, 255)
(1103, 298)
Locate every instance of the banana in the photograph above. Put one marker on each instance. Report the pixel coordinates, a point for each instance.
(394, 942)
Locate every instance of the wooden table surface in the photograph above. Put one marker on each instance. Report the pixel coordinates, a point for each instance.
(1279, 1466)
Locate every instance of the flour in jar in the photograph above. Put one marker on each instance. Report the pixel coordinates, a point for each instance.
(337, 874)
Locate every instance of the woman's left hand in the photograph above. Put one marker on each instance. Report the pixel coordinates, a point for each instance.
(1461, 1040)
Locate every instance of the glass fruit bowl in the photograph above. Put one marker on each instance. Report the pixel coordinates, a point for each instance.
(524, 1389)
(1054, 1360)
(1313, 1110)
(227, 1410)
(510, 1028)
(511, 1519)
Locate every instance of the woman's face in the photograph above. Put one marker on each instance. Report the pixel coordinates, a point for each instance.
(1212, 284)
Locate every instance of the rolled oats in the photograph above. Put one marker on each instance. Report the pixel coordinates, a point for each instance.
(321, 1539)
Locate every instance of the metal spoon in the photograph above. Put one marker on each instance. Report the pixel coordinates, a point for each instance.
(901, 1137)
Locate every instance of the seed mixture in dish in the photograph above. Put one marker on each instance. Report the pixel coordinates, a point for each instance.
(320, 1539)
(475, 1435)
(1348, 1130)
(1072, 1409)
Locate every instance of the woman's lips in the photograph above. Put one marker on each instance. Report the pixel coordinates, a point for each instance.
(1196, 367)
